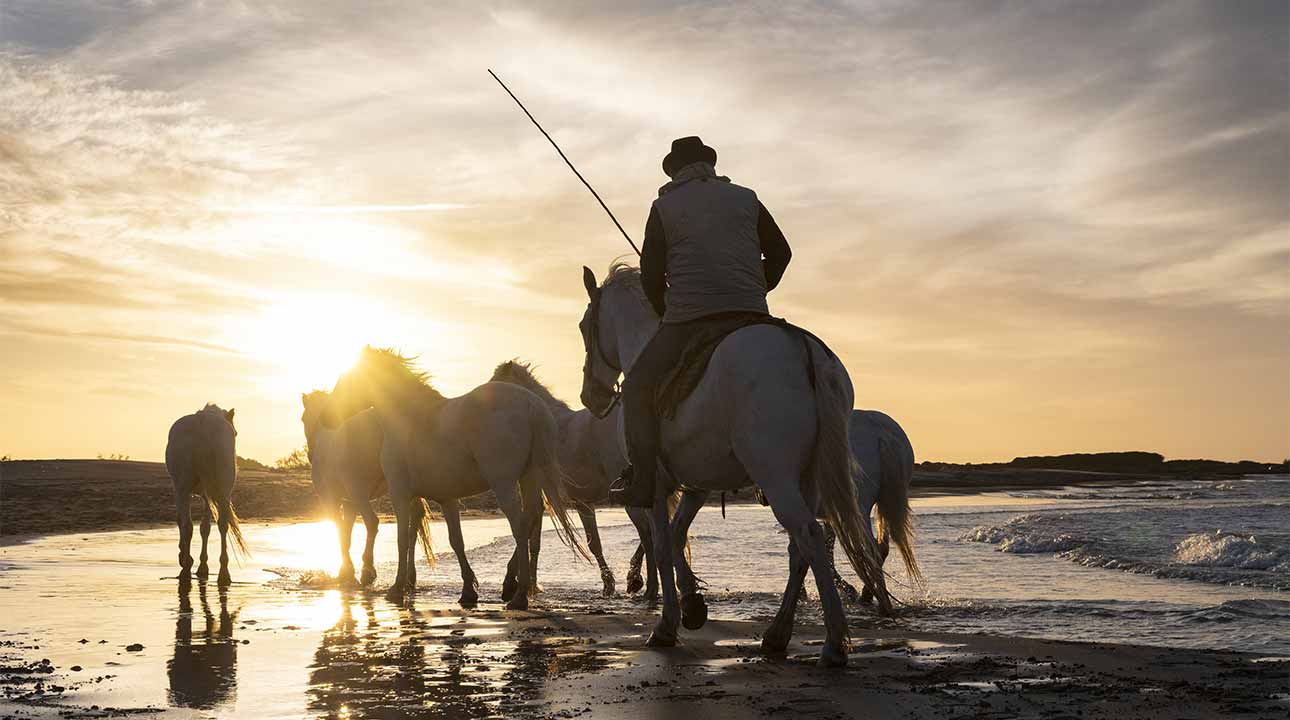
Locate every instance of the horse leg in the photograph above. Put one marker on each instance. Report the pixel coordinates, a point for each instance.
(402, 523)
(781, 629)
(588, 516)
(414, 519)
(535, 549)
(520, 530)
(371, 522)
(345, 529)
(796, 517)
(183, 515)
(664, 634)
(203, 569)
(225, 514)
(641, 519)
(884, 547)
(469, 585)
(845, 588)
(694, 611)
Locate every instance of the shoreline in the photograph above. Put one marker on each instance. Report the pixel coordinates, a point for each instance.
(40, 498)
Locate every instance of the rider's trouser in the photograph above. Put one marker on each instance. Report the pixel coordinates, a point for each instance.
(640, 396)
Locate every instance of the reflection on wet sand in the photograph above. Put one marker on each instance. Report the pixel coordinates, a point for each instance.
(203, 669)
(436, 665)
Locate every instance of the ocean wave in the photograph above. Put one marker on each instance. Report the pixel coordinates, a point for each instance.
(1219, 549)
(1018, 535)
(1099, 540)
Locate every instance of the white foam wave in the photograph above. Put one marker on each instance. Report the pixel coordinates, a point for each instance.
(1219, 549)
(1019, 536)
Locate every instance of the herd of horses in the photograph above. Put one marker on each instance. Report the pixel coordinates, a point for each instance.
(773, 410)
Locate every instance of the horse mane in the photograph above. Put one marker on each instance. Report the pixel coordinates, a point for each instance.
(395, 362)
(517, 372)
(212, 407)
(625, 275)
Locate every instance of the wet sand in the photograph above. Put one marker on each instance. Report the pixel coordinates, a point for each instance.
(444, 662)
(91, 626)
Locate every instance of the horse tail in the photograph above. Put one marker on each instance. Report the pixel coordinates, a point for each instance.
(895, 521)
(832, 470)
(421, 521)
(225, 509)
(551, 478)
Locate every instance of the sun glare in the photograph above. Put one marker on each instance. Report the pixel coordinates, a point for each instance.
(312, 340)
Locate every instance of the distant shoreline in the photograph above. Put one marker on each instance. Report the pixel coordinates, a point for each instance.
(56, 497)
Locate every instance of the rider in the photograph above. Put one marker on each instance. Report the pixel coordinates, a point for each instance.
(711, 248)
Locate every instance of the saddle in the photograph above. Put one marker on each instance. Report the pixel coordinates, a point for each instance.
(688, 373)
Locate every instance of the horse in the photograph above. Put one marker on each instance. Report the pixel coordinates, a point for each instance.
(498, 436)
(772, 410)
(883, 451)
(201, 459)
(591, 454)
(345, 467)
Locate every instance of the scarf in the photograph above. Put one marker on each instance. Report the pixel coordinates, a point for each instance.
(694, 171)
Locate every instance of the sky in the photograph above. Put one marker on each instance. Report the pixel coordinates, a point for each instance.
(1026, 228)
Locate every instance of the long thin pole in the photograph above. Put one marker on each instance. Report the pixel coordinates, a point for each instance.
(566, 162)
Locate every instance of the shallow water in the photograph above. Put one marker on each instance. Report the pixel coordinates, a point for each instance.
(1198, 565)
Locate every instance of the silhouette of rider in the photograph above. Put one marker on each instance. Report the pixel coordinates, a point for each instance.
(711, 249)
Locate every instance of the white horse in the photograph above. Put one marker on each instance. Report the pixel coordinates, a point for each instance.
(345, 466)
(755, 417)
(886, 457)
(592, 455)
(498, 436)
(201, 458)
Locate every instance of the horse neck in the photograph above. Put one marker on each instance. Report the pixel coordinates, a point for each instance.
(407, 398)
(633, 326)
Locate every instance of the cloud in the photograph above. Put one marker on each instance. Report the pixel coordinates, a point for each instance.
(970, 187)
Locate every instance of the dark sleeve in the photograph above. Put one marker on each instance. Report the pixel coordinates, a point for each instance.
(654, 262)
(774, 248)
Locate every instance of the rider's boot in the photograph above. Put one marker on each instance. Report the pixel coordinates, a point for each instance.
(631, 490)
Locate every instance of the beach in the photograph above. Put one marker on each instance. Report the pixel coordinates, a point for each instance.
(95, 624)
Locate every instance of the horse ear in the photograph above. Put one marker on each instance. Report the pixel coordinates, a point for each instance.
(589, 281)
(304, 399)
(229, 414)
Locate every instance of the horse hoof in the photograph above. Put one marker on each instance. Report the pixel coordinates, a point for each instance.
(609, 588)
(846, 590)
(468, 601)
(661, 638)
(884, 608)
(536, 589)
(776, 639)
(509, 586)
(225, 579)
(519, 602)
(634, 584)
(394, 594)
(832, 657)
(369, 575)
(866, 596)
(694, 611)
(203, 572)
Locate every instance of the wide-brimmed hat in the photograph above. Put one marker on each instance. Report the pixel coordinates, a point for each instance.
(687, 150)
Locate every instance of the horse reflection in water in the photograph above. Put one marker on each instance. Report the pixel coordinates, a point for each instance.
(430, 664)
(203, 670)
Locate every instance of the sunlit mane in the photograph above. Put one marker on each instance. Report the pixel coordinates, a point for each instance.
(212, 407)
(520, 373)
(392, 362)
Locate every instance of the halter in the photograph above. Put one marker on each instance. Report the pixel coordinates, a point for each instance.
(592, 340)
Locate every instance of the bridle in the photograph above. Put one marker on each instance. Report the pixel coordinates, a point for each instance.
(592, 341)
